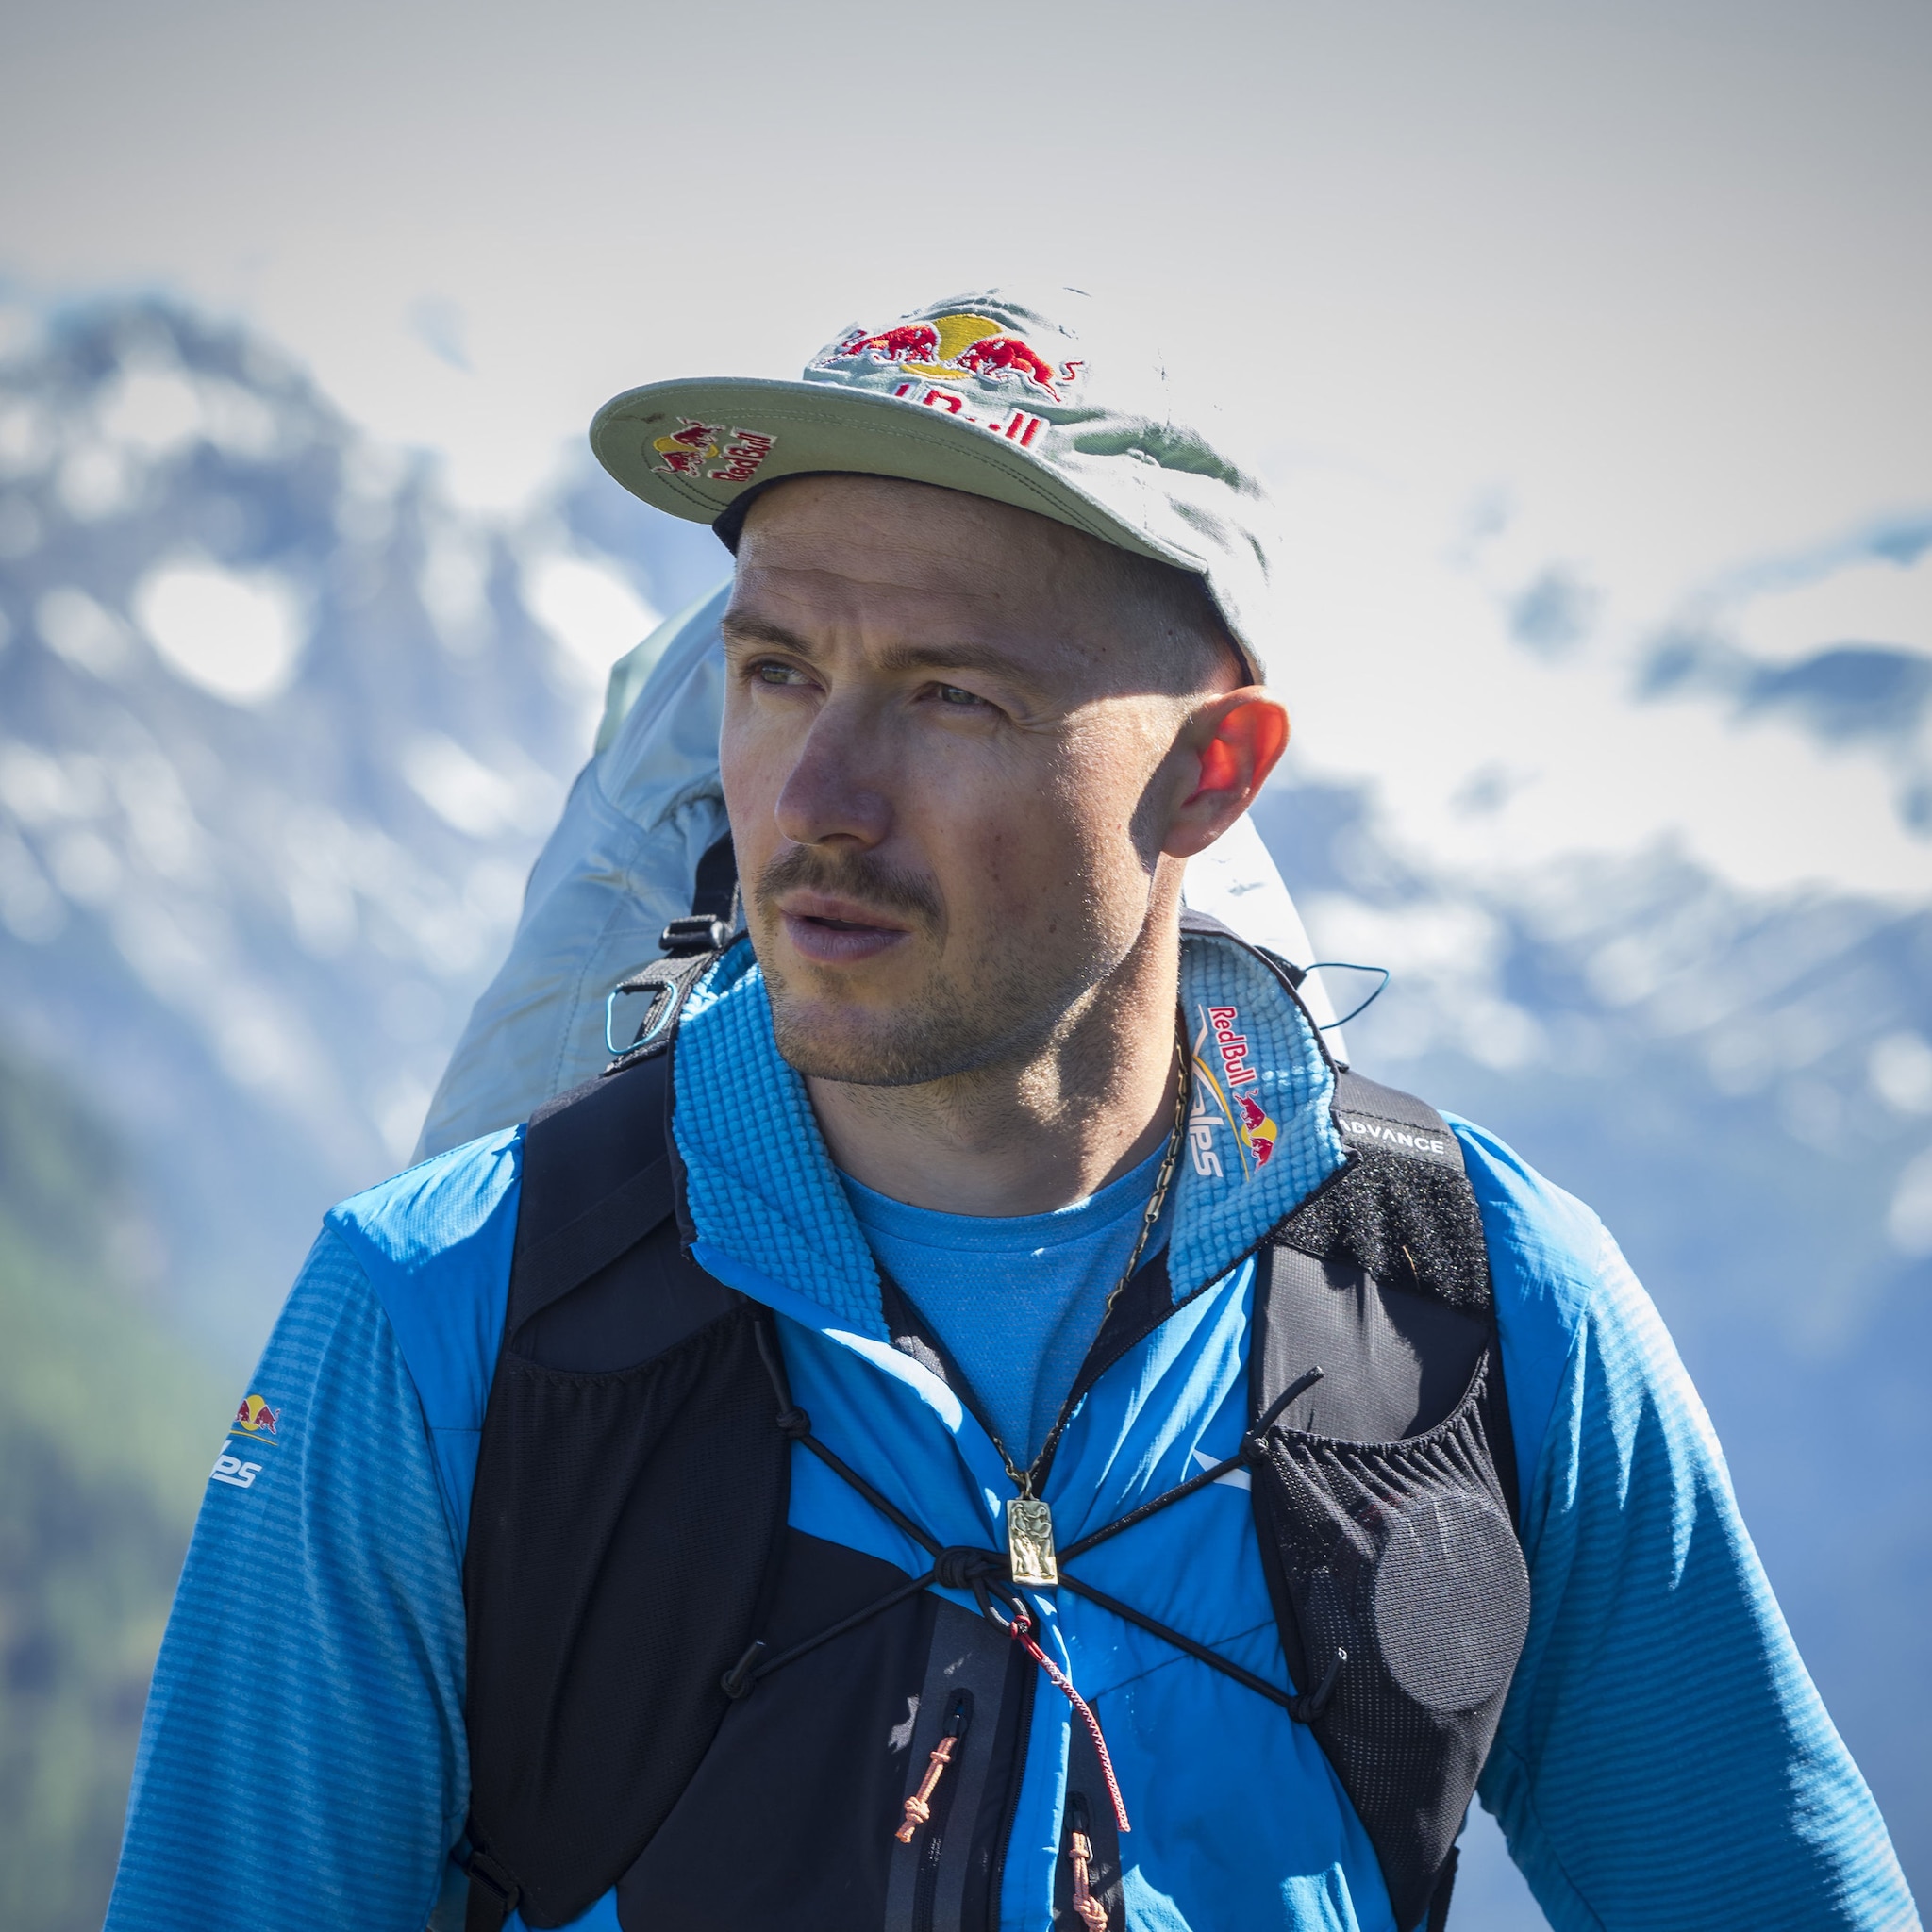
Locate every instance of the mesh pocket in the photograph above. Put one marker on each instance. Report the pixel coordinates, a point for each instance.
(1402, 1557)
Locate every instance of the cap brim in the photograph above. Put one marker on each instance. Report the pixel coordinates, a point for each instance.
(760, 431)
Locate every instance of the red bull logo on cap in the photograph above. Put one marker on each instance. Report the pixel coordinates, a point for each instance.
(256, 1417)
(951, 348)
(686, 451)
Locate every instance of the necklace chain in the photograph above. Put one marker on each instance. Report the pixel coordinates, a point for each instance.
(1022, 1478)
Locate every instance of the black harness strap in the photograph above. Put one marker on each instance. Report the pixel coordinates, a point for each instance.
(714, 890)
(598, 1236)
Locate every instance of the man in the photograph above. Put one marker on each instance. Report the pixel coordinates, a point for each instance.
(630, 854)
(978, 1420)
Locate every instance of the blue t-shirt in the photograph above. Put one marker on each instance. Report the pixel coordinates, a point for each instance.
(1016, 1299)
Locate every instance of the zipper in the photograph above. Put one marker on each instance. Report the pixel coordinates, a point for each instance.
(996, 1879)
(939, 1792)
(1033, 1480)
(1086, 1906)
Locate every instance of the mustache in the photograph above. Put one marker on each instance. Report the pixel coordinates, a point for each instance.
(860, 875)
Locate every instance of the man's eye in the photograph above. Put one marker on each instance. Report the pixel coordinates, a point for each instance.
(777, 673)
(952, 695)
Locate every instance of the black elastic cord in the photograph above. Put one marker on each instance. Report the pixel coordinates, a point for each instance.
(887, 1508)
(774, 1363)
(1349, 966)
(1148, 1510)
(796, 1424)
(1197, 1651)
(738, 1681)
(1214, 1473)
(1297, 1386)
(965, 1567)
(1303, 1708)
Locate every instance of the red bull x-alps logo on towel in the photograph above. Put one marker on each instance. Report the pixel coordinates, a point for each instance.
(954, 349)
(1226, 1096)
(688, 451)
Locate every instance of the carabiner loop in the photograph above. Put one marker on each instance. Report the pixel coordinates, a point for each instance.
(663, 1003)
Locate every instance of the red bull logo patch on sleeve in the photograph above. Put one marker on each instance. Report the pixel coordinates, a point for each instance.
(1223, 1068)
(256, 1417)
(255, 1423)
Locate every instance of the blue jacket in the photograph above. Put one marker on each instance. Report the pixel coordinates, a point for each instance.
(1662, 1759)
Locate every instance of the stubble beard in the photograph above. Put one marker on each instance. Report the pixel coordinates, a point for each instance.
(1000, 1008)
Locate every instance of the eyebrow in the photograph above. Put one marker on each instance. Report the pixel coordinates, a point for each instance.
(747, 629)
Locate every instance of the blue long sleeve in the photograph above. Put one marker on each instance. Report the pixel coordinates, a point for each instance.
(1663, 1759)
(302, 1761)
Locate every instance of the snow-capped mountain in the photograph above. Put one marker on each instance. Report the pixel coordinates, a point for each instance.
(281, 732)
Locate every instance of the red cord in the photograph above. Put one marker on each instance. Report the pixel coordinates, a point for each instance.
(1020, 1629)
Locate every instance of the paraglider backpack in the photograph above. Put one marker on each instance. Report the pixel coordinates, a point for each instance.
(656, 1657)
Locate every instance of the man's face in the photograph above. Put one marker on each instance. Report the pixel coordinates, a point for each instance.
(949, 764)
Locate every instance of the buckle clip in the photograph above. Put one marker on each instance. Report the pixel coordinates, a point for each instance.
(697, 933)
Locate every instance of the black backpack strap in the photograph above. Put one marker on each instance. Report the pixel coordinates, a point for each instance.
(600, 1284)
(1372, 1116)
(1412, 1151)
(1384, 1482)
(1402, 1208)
(553, 1259)
(714, 891)
(493, 1894)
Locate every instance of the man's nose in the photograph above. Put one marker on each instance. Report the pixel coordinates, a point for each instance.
(834, 791)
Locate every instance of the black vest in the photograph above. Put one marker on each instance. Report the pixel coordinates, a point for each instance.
(673, 1692)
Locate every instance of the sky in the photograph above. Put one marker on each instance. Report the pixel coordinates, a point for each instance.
(1623, 310)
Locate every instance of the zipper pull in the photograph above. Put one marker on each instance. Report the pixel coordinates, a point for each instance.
(1087, 1908)
(919, 1806)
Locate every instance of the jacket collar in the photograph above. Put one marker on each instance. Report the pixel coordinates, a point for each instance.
(760, 1187)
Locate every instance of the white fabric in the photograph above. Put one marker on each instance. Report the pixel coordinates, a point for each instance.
(619, 867)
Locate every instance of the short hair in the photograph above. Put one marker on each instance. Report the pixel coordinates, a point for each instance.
(1197, 649)
(1190, 647)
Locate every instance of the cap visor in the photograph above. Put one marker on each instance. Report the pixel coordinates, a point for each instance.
(757, 432)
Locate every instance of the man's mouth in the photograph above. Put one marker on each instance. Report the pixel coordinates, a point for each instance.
(837, 932)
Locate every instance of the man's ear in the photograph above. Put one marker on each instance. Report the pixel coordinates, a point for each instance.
(1232, 744)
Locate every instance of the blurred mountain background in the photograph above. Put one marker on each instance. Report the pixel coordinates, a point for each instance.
(282, 726)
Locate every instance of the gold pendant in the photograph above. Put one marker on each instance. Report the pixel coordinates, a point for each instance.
(1029, 1542)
